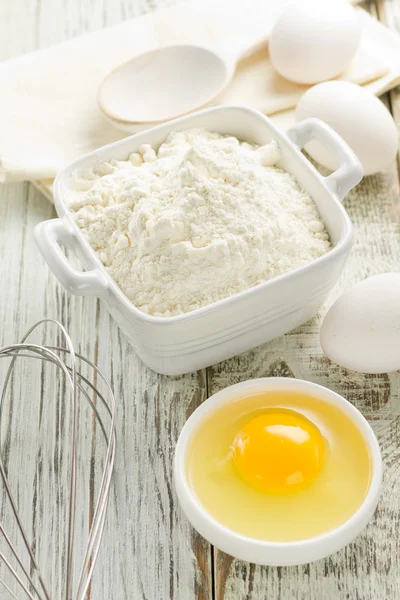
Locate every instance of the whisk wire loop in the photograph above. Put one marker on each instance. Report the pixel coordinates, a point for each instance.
(30, 580)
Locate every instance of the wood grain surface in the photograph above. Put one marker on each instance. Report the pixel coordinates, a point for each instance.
(149, 550)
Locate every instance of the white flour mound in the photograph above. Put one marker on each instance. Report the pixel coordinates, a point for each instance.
(201, 219)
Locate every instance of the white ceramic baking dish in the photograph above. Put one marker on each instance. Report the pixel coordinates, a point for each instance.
(188, 342)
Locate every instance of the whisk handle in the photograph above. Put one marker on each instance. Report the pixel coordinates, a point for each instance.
(50, 236)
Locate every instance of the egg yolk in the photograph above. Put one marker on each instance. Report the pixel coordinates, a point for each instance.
(279, 451)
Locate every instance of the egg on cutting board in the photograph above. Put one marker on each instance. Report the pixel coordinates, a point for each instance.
(314, 40)
(358, 116)
(361, 331)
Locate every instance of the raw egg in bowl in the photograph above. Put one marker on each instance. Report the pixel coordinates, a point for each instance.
(278, 471)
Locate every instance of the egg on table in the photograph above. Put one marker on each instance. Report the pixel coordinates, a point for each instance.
(361, 331)
(314, 40)
(360, 118)
(279, 466)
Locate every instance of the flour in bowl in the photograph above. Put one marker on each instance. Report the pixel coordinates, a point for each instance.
(204, 217)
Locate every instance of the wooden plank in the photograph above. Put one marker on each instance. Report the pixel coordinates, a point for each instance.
(149, 550)
(369, 567)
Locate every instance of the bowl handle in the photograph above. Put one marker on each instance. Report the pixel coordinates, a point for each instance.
(350, 171)
(49, 237)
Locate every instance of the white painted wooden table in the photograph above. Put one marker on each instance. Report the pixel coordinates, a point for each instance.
(149, 551)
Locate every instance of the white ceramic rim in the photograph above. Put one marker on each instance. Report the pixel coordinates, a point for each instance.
(341, 247)
(254, 386)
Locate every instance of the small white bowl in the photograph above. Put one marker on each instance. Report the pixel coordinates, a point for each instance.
(260, 551)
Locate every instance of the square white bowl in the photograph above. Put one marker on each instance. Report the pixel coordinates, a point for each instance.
(185, 343)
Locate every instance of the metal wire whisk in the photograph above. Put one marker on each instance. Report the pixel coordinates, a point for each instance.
(30, 581)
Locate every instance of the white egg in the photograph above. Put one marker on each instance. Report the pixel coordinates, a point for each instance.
(361, 331)
(314, 40)
(358, 116)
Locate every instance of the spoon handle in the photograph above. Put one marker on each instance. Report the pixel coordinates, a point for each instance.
(236, 49)
(252, 46)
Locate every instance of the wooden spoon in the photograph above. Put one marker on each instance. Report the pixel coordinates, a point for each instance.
(168, 82)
